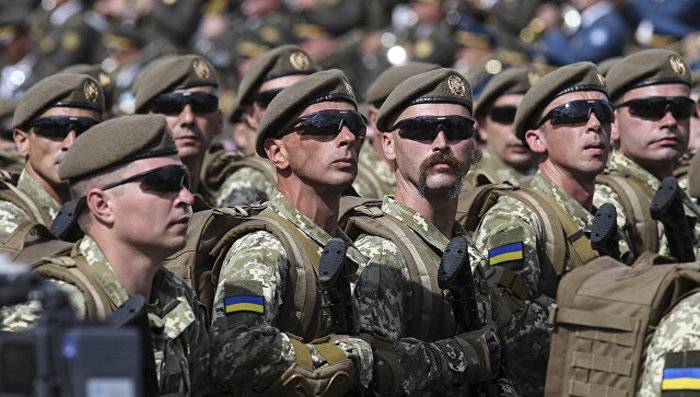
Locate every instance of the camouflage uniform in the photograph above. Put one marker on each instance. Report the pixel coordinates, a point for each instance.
(178, 323)
(494, 169)
(249, 345)
(620, 164)
(246, 185)
(512, 221)
(11, 216)
(678, 331)
(374, 176)
(384, 306)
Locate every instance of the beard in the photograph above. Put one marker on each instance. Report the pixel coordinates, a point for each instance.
(458, 168)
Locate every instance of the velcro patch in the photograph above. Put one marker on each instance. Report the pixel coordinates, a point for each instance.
(681, 374)
(244, 298)
(506, 253)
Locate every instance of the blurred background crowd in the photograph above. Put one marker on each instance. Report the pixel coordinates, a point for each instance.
(362, 37)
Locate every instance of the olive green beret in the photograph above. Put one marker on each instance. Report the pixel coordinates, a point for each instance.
(117, 142)
(7, 108)
(605, 65)
(170, 73)
(62, 89)
(380, 89)
(648, 67)
(509, 81)
(100, 75)
(580, 76)
(324, 86)
(436, 86)
(279, 62)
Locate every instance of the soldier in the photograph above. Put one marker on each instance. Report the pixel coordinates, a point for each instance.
(135, 207)
(184, 89)
(375, 177)
(101, 76)
(650, 90)
(565, 120)
(11, 162)
(46, 122)
(505, 158)
(311, 132)
(253, 179)
(602, 33)
(428, 130)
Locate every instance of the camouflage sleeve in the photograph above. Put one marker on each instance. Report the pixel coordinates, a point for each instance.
(528, 334)
(678, 331)
(246, 185)
(11, 216)
(245, 341)
(23, 316)
(198, 356)
(604, 194)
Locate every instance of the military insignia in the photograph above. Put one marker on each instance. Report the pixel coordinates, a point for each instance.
(348, 87)
(456, 85)
(506, 253)
(681, 373)
(70, 40)
(423, 48)
(104, 79)
(201, 69)
(91, 91)
(532, 77)
(299, 60)
(244, 298)
(677, 65)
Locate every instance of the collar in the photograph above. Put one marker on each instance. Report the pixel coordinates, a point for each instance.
(595, 12)
(624, 165)
(103, 271)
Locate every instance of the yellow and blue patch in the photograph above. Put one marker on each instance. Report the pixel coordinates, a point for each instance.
(506, 253)
(681, 376)
(249, 303)
(681, 379)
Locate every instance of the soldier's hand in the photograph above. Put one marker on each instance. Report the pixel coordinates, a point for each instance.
(484, 353)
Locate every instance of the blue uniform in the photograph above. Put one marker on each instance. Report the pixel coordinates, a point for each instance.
(676, 18)
(602, 38)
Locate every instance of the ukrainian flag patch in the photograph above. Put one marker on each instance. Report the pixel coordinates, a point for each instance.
(681, 373)
(506, 253)
(250, 303)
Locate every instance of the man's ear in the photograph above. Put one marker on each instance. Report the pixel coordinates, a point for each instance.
(614, 133)
(389, 146)
(536, 140)
(372, 113)
(479, 126)
(99, 204)
(22, 144)
(276, 152)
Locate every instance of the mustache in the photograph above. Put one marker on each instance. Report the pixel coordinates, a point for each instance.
(440, 158)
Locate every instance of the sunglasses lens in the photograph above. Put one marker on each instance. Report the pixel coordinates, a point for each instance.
(656, 107)
(60, 126)
(577, 112)
(503, 114)
(428, 127)
(331, 122)
(166, 179)
(202, 102)
(265, 97)
(173, 103)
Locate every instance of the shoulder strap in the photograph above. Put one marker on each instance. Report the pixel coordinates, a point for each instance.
(259, 164)
(636, 204)
(76, 271)
(474, 202)
(11, 193)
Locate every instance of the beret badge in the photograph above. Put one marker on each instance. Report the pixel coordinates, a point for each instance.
(201, 69)
(677, 65)
(299, 60)
(91, 91)
(456, 85)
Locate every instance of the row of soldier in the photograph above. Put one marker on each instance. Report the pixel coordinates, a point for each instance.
(249, 315)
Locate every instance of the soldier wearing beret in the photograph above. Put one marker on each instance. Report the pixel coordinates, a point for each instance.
(253, 179)
(427, 137)
(101, 76)
(683, 167)
(505, 158)
(11, 162)
(650, 90)
(46, 122)
(134, 207)
(565, 119)
(375, 178)
(184, 89)
(262, 344)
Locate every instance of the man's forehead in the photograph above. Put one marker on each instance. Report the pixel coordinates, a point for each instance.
(508, 99)
(200, 88)
(675, 89)
(316, 107)
(69, 111)
(574, 96)
(433, 109)
(280, 82)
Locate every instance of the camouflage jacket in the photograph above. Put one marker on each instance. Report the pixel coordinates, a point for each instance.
(384, 306)
(11, 216)
(374, 176)
(492, 169)
(677, 334)
(245, 186)
(249, 352)
(512, 224)
(178, 324)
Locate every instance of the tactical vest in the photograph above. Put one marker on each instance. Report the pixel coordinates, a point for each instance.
(605, 315)
(211, 233)
(431, 315)
(219, 165)
(636, 201)
(11, 193)
(563, 240)
(33, 244)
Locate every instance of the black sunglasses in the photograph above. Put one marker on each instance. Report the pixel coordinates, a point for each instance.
(61, 126)
(329, 122)
(172, 103)
(503, 114)
(263, 98)
(166, 179)
(655, 107)
(427, 128)
(577, 112)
